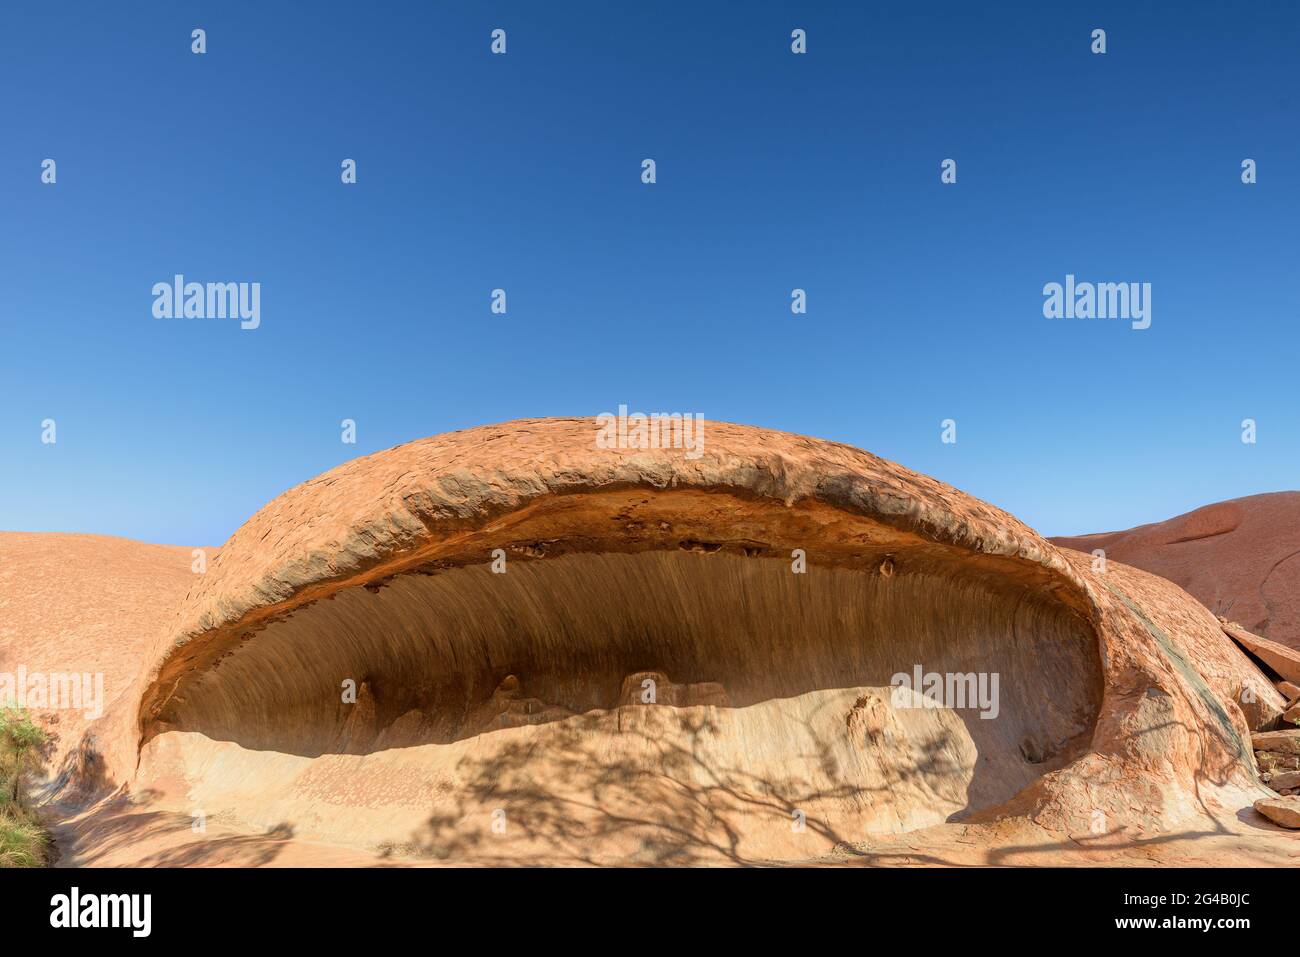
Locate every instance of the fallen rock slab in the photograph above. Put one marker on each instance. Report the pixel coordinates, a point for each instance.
(1285, 661)
(1284, 811)
(1281, 742)
(1282, 780)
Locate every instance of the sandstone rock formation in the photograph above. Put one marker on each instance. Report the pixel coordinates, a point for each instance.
(509, 645)
(1281, 810)
(86, 605)
(1240, 558)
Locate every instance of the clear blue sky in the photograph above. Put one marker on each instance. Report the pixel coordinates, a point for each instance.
(522, 171)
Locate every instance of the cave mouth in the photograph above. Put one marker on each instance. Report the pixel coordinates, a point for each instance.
(438, 655)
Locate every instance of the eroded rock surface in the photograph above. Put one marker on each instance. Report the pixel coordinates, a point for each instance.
(444, 651)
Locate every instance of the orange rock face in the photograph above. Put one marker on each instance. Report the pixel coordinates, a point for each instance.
(510, 645)
(86, 605)
(1240, 558)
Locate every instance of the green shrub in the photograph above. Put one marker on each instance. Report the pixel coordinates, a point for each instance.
(22, 840)
(21, 740)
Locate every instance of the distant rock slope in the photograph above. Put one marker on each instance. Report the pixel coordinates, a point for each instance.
(1240, 558)
(84, 605)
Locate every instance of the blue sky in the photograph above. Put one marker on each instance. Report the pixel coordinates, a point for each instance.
(522, 172)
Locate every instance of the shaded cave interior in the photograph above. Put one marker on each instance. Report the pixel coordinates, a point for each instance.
(443, 651)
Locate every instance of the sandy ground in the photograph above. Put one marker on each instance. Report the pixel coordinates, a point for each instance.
(120, 834)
